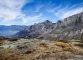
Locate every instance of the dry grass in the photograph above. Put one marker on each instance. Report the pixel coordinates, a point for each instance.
(43, 44)
(1, 42)
(63, 45)
(13, 54)
(8, 54)
(43, 51)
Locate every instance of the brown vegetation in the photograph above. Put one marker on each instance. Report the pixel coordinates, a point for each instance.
(2, 39)
(12, 39)
(42, 51)
(61, 44)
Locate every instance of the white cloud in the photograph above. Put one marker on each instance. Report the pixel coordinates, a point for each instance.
(54, 9)
(31, 18)
(63, 12)
(72, 12)
(11, 9)
(38, 7)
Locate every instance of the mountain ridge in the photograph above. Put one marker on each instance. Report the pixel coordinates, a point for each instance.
(35, 30)
(70, 28)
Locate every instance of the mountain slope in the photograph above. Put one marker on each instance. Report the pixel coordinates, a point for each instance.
(70, 28)
(10, 30)
(35, 30)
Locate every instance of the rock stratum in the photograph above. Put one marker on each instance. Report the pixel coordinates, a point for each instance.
(69, 28)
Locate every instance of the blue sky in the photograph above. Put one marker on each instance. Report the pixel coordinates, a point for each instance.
(28, 12)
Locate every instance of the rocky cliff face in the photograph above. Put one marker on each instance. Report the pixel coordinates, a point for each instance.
(70, 28)
(35, 30)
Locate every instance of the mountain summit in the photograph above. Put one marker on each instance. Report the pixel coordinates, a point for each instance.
(35, 30)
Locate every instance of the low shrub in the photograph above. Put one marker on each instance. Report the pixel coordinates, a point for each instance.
(64, 41)
(63, 45)
(2, 38)
(80, 45)
(43, 44)
(12, 39)
(81, 38)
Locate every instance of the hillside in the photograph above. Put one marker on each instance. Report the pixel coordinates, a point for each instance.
(69, 28)
(35, 30)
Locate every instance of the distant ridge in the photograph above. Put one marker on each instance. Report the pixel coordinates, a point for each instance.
(10, 30)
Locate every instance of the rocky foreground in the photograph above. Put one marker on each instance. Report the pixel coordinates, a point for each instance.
(34, 49)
